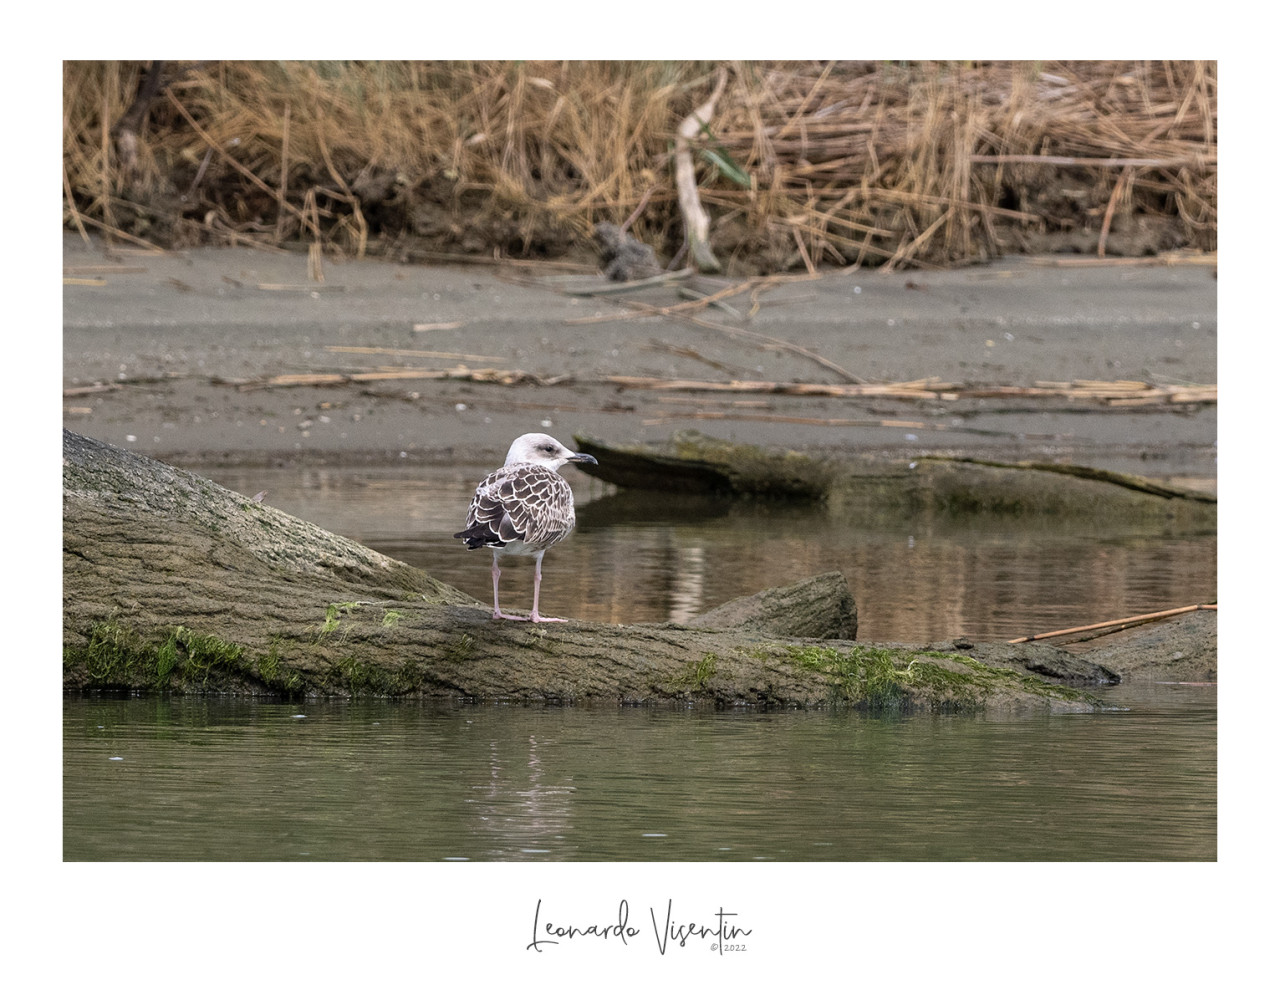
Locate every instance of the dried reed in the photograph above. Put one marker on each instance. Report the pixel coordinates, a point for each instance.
(804, 164)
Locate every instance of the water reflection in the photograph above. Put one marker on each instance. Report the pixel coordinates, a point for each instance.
(645, 557)
(211, 779)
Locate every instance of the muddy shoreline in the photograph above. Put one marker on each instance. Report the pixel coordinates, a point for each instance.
(162, 353)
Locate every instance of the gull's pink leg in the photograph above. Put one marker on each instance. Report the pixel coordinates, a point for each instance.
(537, 584)
(497, 612)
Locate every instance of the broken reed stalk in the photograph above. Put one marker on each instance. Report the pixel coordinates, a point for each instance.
(750, 417)
(1166, 259)
(1132, 620)
(115, 232)
(409, 352)
(622, 288)
(702, 300)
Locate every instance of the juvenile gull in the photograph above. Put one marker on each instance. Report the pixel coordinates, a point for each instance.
(524, 508)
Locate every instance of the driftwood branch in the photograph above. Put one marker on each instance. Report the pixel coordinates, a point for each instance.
(697, 223)
(172, 582)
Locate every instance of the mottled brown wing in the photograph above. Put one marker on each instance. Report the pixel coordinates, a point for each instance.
(526, 503)
(488, 522)
(540, 505)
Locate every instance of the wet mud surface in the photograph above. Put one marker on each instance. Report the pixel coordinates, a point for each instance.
(168, 355)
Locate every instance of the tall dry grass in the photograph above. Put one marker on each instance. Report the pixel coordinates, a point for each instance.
(822, 163)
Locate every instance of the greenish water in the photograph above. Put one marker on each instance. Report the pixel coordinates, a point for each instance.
(216, 779)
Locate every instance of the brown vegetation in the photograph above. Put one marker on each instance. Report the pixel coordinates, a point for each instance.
(803, 164)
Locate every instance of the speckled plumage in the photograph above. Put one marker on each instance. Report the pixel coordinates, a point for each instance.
(520, 509)
(523, 508)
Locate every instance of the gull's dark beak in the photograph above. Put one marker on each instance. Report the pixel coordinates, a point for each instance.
(583, 459)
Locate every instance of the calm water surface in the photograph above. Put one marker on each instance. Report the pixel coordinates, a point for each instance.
(643, 557)
(213, 779)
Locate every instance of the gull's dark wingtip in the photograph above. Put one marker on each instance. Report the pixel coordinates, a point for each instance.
(475, 537)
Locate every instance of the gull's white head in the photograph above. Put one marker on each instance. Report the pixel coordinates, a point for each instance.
(538, 448)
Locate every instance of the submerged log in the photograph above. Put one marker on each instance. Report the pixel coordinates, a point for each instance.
(174, 583)
(692, 462)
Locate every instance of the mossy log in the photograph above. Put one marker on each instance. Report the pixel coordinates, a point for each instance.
(174, 583)
(691, 462)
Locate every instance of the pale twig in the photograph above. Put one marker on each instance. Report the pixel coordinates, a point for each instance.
(1132, 620)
